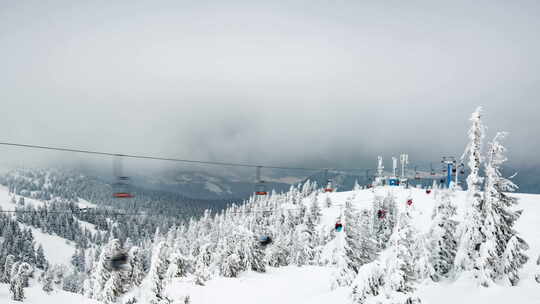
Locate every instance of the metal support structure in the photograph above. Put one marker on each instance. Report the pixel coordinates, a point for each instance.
(380, 170)
(394, 166)
(404, 159)
(450, 162)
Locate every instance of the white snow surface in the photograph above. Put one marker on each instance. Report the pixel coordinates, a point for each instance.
(34, 295)
(56, 249)
(311, 284)
(298, 285)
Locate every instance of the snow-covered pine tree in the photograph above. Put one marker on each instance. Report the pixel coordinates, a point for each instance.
(400, 259)
(328, 201)
(513, 259)
(102, 274)
(136, 274)
(77, 259)
(113, 288)
(47, 281)
(19, 281)
(154, 285)
(356, 186)
(537, 276)
(468, 254)
(368, 283)
(41, 261)
(384, 217)
(315, 210)
(502, 253)
(311, 236)
(442, 236)
(366, 243)
(8, 265)
(202, 264)
(357, 234)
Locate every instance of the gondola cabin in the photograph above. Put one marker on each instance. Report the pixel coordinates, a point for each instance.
(260, 189)
(121, 188)
(329, 187)
(118, 261)
(338, 226)
(123, 195)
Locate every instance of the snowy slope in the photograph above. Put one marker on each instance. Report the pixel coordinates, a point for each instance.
(298, 285)
(34, 295)
(311, 284)
(56, 249)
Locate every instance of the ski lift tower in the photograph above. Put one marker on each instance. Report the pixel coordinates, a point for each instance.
(394, 167)
(404, 159)
(380, 170)
(450, 163)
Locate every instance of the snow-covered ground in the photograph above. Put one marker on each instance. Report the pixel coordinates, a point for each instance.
(298, 285)
(310, 284)
(57, 250)
(34, 295)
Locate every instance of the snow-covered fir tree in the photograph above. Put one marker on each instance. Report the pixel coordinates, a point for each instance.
(468, 254)
(47, 281)
(41, 261)
(154, 282)
(502, 253)
(136, 269)
(106, 284)
(19, 280)
(358, 248)
(368, 283)
(8, 265)
(384, 217)
(400, 272)
(442, 236)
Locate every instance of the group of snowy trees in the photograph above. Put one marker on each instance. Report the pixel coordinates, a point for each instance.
(484, 243)
(490, 247)
(63, 188)
(224, 244)
(379, 254)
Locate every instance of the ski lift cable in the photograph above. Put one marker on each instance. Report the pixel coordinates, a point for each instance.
(70, 212)
(159, 158)
(139, 214)
(150, 157)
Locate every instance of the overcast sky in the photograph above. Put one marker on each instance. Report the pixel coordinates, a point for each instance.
(333, 83)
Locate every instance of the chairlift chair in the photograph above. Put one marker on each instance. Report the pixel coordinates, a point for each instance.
(328, 186)
(121, 188)
(265, 240)
(260, 186)
(338, 226)
(118, 261)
